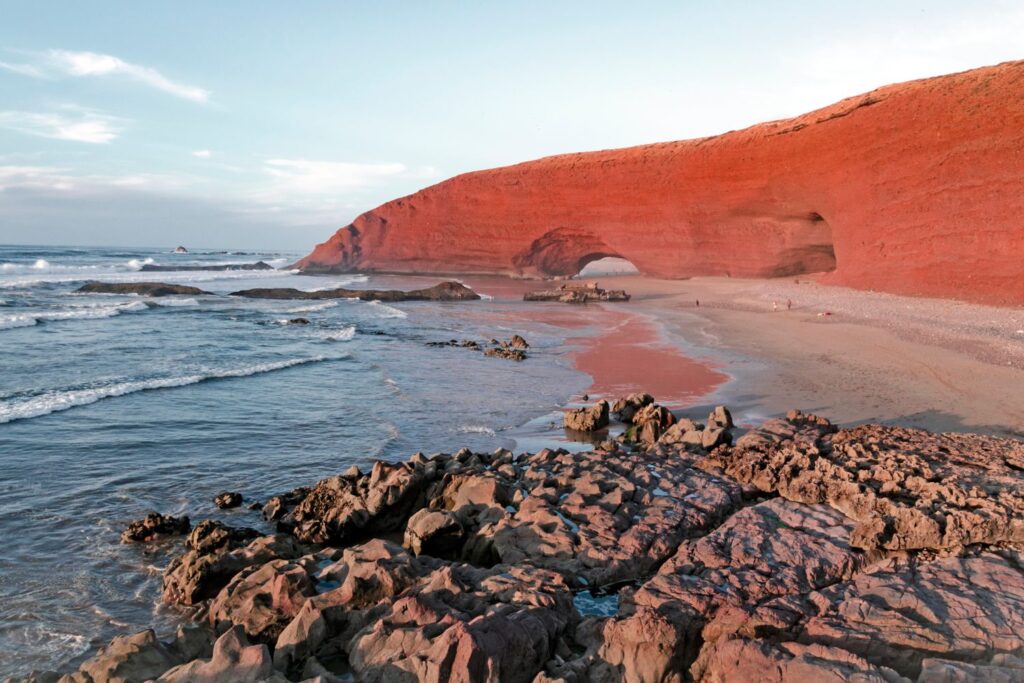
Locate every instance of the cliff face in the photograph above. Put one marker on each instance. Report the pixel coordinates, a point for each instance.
(915, 188)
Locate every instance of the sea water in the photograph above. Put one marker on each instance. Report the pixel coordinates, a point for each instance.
(112, 406)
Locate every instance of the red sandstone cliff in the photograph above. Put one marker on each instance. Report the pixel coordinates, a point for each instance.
(915, 188)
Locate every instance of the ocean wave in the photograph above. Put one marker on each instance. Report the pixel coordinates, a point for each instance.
(477, 429)
(110, 275)
(8, 322)
(312, 307)
(344, 334)
(388, 311)
(343, 282)
(55, 401)
(167, 301)
(78, 312)
(136, 264)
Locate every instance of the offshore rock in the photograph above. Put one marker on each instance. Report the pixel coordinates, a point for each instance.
(154, 526)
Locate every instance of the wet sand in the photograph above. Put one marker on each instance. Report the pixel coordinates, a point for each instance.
(851, 356)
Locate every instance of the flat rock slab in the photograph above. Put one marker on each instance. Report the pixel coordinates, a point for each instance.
(143, 288)
(445, 291)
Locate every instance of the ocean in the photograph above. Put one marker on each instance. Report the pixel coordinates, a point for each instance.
(112, 406)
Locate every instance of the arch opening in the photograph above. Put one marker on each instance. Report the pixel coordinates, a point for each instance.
(604, 265)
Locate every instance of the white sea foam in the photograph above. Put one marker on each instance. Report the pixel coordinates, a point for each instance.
(54, 401)
(477, 429)
(322, 306)
(11, 321)
(136, 264)
(167, 301)
(388, 311)
(78, 312)
(344, 334)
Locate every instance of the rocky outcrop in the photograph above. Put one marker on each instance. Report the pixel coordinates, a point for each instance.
(143, 288)
(155, 268)
(915, 188)
(802, 552)
(445, 291)
(577, 294)
(154, 526)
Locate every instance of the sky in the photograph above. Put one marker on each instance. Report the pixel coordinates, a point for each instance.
(269, 125)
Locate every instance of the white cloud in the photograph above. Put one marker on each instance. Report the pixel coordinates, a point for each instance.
(58, 63)
(202, 153)
(67, 180)
(305, 176)
(69, 123)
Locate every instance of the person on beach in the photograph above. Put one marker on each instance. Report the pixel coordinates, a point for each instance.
(789, 304)
(698, 303)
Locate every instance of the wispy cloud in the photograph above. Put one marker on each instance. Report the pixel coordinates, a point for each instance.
(67, 123)
(69, 63)
(68, 180)
(306, 176)
(202, 153)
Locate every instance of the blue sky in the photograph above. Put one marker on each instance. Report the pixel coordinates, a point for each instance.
(264, 124)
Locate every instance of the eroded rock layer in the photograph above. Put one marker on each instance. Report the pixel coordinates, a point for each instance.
(915, 188)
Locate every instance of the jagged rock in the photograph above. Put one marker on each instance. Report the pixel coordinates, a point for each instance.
(517, 342)
(279, 506)
(908, 488)
(607, 517)
(444, 291)
(436, 533)
(341, 510)
(650, 422)
(207, 567)
(228, 499)
(137, 657)
(234, 660)
(298, 321)
(143, 288)
(301, 638)
(712, 437)
(587, 419)
(461, 623)
(720, 417)
(263, 599)
(745, 660)
(506, 353)
(626, 407)
(1000, 669)
(154, 526)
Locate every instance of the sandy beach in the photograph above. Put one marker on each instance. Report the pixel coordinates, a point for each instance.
(850, 355)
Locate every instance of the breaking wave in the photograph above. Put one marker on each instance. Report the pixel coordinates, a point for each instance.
(388, 311)
(344, 334)
(83, 312)
(312, 307)
(55, 401)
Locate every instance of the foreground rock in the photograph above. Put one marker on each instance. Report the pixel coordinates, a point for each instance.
(259, 265)
(445, 291)
(908, 488)
(577, 294)
(227, 499)
(747, 562)
(143, 288)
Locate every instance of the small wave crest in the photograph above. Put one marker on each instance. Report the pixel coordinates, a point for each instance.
(136, 264)
(388, 311)
(173, 302)
(323, 306)
(55, 401)
(79, 312)
(344, 334)
(477, 429)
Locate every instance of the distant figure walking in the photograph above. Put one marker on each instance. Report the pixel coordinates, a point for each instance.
(789, 304)
(698, 303)
(775, 305)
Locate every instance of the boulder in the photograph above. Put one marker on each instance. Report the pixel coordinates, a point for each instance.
(228, 499)
(154, 526)
(234, 660)
(587, 419)
(433, 532)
